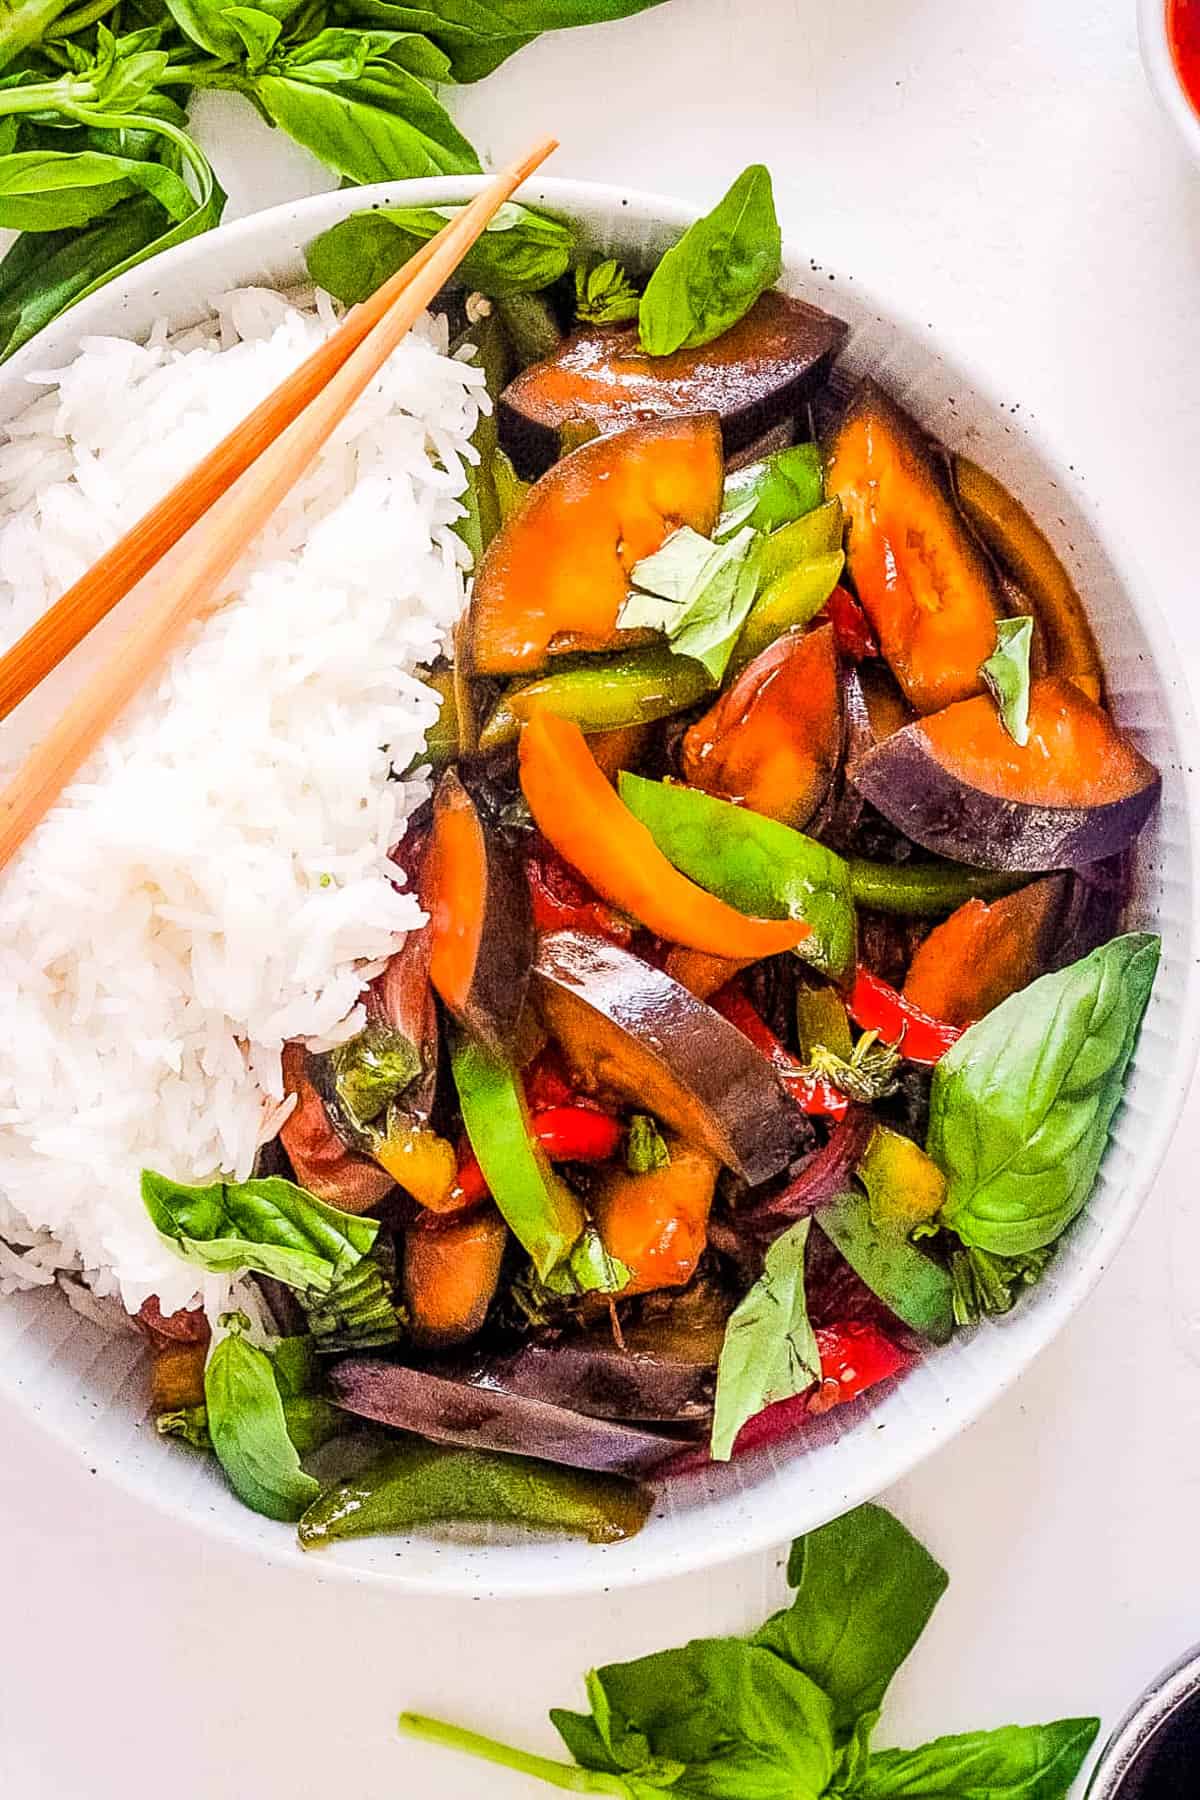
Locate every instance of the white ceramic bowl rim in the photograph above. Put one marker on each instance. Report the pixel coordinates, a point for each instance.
(773, 1509)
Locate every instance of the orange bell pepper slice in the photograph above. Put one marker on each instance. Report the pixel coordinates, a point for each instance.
(584, 818)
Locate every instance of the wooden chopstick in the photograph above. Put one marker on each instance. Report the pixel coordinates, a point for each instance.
(67, 622)
(181, 593)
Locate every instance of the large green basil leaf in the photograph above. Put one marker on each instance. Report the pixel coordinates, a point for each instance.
(915, 1287)
(770, 1350)
(249, 1429)
(754, 863)
(865, 1591)
(47, 190)
(1021, 1105)
(478, 35)
(378, 126)
(708, 280)
(520, 252)
(1018, 1762)
(269, 1226)
(46, 271)
(717, 1718)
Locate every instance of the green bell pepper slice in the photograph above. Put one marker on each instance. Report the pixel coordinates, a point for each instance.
(756, 864)
(419, 1484)
(783, 487)
(633, 688)
(540, 1210)
(925, 890)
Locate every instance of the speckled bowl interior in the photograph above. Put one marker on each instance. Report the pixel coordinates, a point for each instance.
(88, 1387)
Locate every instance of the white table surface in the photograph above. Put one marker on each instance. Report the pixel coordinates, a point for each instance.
(1000, 172)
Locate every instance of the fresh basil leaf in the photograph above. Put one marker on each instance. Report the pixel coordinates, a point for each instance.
(673, 575)
(770, 1349)
(1021, 1104)
(915, 1287)
(258, 30)
(379, 126)
(187, 1422)
(248, 1428)
(1006, 672)
(721, 1718)
(203, 21)
(269, 1226)
(697, 592)
(295, 1365)
(645, 1146)
(987, 1286)
(46, 270)
(520, 252)
(1018, 1762)
(373, 1069)
(47, 190)
(865, 1591)
(312, 1421)
(758, 865)
(708, 280)
(604, 294)
(478, 35)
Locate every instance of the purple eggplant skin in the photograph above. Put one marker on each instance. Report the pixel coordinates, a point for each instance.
(837, 818)
(628, 1028)
(755, 376)
(451, 1410)
(1095, 908)
(939, 811)
(593, 1375)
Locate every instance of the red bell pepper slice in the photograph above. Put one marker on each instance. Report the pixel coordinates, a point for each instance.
(813, 1093)
(851, 628)
(876, 1006)
(854, 1357)
(571, 1133)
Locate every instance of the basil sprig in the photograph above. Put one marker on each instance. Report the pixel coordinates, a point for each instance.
(770, 1349)
(1006, 672)
(269, 1226)
(1020, 1106)
(249, 1428)
(97, 157)
(790, 1713)
(711, 278)
(520, 252)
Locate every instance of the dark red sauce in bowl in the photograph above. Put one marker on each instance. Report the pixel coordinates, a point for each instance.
(1183, 30)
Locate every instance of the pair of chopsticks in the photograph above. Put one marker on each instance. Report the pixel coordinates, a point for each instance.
(271, 449)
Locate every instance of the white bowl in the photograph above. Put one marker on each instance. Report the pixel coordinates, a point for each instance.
(88, 1388)
(1169, 90)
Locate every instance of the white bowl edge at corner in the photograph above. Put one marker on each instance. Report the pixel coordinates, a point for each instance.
(88, 1392)
(1155, 39)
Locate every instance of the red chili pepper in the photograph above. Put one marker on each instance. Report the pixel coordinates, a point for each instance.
(562, 901)
(566, 1133)
(876, 1006)
(813, 1093)
(851, 627)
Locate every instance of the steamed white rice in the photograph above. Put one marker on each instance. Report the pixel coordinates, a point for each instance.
(216, 881)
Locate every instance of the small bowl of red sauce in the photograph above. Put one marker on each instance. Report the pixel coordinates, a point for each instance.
(1170, 33)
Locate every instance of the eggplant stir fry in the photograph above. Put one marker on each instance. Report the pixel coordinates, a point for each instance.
(773, 1003)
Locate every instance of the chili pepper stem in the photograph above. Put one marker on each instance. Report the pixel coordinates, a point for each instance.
(567, 1776)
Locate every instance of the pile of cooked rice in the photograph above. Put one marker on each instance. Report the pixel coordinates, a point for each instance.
(216, 880)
